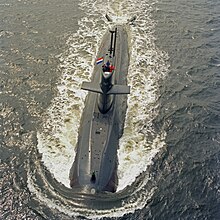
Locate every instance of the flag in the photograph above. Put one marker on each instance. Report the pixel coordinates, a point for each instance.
(99, 60)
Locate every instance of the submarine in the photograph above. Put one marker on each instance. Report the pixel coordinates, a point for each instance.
(95, 166)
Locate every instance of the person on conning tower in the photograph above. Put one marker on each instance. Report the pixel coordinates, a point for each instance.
(108, 67)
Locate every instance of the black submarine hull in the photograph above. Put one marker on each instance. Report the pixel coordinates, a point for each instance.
(95, 165)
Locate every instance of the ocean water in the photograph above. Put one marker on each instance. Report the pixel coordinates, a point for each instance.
(169, 155)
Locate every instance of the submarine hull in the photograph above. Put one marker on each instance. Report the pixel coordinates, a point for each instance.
(95, 165)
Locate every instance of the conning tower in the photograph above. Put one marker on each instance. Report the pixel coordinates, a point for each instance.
(107, 89)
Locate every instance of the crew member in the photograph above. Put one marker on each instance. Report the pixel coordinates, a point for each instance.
(108, 67)
(111, 68)
(105, 68)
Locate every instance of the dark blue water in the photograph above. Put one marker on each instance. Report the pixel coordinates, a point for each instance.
(189, 168)
(185, 173)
